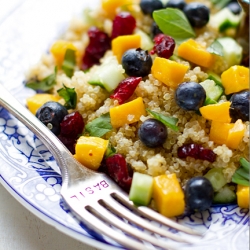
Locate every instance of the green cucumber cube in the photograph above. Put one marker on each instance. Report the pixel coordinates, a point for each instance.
(141, 189)
(213, 91)
(216, 177)
(108, 75)
(232, 51)
(216, 78)
(224, 195)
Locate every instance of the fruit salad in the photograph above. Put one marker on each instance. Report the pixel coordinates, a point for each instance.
(155, 94)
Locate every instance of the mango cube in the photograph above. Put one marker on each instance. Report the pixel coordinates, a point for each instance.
(194, 52)
(217, 112)
(235, 79)
(168, 195)
(90, 151)
(236, 134)
(169, 72)
(36, 101)
(110, 6)
(121, 44)
(127, 113)
(242, 194)
(58, 50)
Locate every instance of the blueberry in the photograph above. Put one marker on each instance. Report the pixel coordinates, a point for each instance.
(51, 114)
(149, 6)
(198, 194)
(197, 14)
(234, 7)
(136, 62)
(239, 108)
(177, 4)
(190, 96)
(152, 133)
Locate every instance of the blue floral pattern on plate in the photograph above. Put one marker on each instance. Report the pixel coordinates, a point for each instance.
(29, 170)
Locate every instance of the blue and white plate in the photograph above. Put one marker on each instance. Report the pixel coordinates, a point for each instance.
(27, 168)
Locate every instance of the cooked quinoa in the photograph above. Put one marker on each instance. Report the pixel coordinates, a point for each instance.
(93, 101)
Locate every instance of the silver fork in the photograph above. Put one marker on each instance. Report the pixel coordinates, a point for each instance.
(95, 199)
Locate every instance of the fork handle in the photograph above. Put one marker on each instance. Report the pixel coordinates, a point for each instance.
(50, 140)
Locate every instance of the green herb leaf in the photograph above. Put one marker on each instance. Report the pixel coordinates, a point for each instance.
(167, 120)
(241, 175)
(69, 95)
(45, 85)
(216, 48)
(110, 151)
(245, 164)
(174, 23)
(99, 126)
(69, 62)
(219, 4)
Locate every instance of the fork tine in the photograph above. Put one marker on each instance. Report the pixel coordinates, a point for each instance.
(99, 226)
(120, 210)
(151, 214)
(109, 217)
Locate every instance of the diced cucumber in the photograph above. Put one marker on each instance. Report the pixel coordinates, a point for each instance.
(213, 91)
(216, 177)
(216, 78)
(225, 19)
(108, 75)
(146, 41)
(141, 189)
(232, 51)
(224, 195)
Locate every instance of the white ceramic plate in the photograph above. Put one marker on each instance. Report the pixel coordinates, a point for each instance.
(28, 170)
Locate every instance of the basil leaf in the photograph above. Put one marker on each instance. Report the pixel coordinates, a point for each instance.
(45, 85)
(110, 151)
(216, 48)
(166, 120)
(69, 95)
(99, 126)
(69, 62)
(174, 23)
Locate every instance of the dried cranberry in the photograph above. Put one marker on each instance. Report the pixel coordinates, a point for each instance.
(72, 125)
(125, 89)
(207, 154)
(163, 46)
(191, 150)
(117, 169)
(123, 24)
(196, 151)
(68, 142)
(99, 43)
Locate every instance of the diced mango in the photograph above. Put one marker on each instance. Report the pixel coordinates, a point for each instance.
(217, 112)
(236, 134)
(59, 48)
(89, 151)
(243, 196)
(230, 134)
(219, 132)
(235, 79)
(36, 101)
(127, 113)
(169, 72)
(194, 52)
(123, 43)
(168, 195)
(110, 6)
